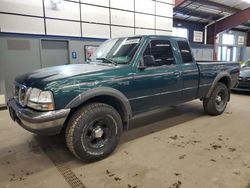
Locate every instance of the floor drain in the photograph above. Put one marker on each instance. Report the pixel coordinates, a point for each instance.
(70, 177)
(59, 161)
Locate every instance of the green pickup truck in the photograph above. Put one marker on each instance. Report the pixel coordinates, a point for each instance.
(93, 103)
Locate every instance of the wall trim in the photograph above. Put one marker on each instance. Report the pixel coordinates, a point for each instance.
(8, 34)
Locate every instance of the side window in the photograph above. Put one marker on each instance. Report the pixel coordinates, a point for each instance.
(185, 50)
(159, 52)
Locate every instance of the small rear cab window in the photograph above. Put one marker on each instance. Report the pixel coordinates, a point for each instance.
(185, 50)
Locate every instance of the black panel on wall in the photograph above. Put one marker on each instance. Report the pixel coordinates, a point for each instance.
(191, 26)
(248, 39)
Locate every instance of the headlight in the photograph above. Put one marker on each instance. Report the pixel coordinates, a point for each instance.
(41, 100)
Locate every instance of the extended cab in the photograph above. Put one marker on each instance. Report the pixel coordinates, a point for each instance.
(93, 103)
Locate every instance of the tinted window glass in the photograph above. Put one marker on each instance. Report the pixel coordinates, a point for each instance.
(185, 52)
(162, 53)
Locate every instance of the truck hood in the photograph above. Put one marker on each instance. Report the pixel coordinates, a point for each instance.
(245, 72)
(42, 76)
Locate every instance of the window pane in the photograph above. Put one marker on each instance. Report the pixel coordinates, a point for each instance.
(219, 53)
(180, 32)
(228, 54)
(234, 53)
(224, 53)
(162, 52)
(227, 39)
(185, 52)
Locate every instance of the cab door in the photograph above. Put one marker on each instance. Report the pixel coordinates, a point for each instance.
(157, 78)
(190, 71)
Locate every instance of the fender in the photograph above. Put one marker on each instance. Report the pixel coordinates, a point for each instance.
(216, 80)
(99, 91)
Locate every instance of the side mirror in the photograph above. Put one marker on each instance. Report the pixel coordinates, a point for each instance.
(149, 61)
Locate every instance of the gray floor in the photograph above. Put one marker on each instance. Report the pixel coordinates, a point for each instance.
(180, 147)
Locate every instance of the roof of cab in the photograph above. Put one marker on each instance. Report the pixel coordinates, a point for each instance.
(161, 36)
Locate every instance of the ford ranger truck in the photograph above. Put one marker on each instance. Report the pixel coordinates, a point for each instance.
(92, 103)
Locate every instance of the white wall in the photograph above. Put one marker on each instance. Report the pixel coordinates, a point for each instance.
(87, 18)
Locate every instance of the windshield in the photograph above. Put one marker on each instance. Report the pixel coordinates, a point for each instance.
(119, 50)
(246, 63)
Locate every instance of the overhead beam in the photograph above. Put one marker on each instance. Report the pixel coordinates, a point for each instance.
(230, 21)
(177, 21)
(247, 24)
(226, 24)
(199, 14)
(215, 4)
(239, 29)
(204, 15)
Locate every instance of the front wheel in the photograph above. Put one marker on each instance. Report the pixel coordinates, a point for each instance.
(217, 102)
(93, 132)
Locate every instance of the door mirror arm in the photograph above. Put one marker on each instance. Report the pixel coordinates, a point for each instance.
(147, 61)
(141, 65)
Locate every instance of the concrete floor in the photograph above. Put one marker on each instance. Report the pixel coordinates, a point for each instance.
(180, 147)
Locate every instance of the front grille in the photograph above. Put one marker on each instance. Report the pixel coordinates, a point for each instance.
(243, 83)
(244, 79)
(20, 94)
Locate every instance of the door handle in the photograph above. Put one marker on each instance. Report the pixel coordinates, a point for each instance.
(177, 74)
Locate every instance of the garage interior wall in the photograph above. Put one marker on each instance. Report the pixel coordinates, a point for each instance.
(2, 83)
(20, 55)
(87, 18)
(26, 25)
(191, 27)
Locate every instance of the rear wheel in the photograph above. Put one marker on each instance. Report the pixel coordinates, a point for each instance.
(217, 102)
(93, 132)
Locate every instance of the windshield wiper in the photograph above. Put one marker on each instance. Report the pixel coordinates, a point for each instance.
(107, 60)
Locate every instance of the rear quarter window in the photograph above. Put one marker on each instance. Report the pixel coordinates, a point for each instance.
(185, 51)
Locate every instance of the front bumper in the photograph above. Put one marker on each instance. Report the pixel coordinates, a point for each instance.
(242, 86)
(240, 89)
(43, 123)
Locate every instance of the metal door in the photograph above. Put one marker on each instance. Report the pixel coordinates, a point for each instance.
(190, 71)
(54, 52)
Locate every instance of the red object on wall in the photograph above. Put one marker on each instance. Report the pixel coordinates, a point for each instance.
(179, 2)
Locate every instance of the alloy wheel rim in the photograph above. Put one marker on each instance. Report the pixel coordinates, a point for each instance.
(99, 133)
(220, 99)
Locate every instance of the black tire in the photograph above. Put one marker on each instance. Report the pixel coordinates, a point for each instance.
(93, 132)
(217, 102)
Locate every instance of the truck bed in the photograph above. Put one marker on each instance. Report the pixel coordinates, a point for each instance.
(209, 70)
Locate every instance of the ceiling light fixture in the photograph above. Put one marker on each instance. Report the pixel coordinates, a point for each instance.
(247, 1)
(56, 4)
